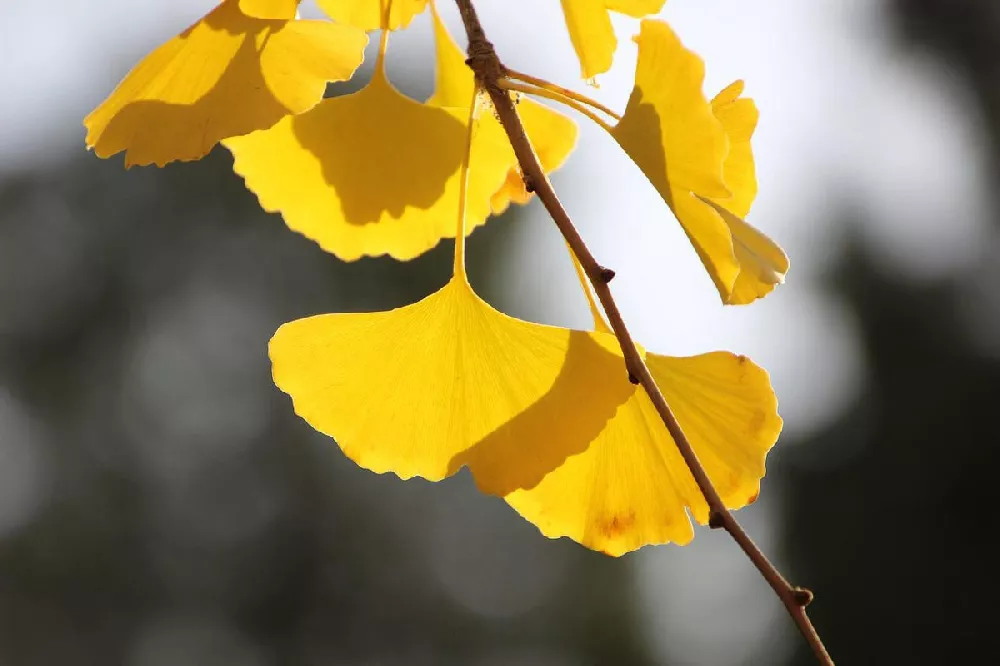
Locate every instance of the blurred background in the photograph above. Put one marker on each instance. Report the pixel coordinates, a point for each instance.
(161, 505)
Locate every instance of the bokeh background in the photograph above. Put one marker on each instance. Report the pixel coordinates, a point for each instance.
(160, 504)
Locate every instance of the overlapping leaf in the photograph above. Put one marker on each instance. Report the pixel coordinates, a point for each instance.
(416, 390)
(763, 263)
(377, 173)
(369, 173)
(683, 146)
(544, 417)
(226, 75)
(630, 487)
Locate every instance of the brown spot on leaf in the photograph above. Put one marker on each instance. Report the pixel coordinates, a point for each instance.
(618, 524)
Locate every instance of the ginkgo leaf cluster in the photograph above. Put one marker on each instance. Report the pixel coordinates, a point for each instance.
(544, 417)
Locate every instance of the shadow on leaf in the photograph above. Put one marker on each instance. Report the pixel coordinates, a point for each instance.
(589, 389)
(638, 133)
(381, 152)
(157, 132)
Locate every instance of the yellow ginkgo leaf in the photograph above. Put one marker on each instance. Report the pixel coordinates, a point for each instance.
(591, 32)
(763, 263)
(738, 116)
(227, 75)
(370, 14)
(270, 9)
(446, 382)
(631, 488)
(371, 173)
(682, 143)
(552, 134)
(669, 131)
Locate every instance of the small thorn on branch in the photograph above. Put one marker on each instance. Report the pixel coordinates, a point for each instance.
(803, 597)
(606, 274)
(529, 184)
(716, 520)
(632, 378)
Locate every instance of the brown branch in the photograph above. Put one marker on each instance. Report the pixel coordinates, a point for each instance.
(489, 72)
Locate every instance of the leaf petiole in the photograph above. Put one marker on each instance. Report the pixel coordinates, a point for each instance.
(506, 84)
(561, 92)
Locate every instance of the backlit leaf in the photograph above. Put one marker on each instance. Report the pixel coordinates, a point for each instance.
(697, 156)
(227, 75)
(763, 263)
(591, 32)
(446, 382)
(371, 173)
(631, 488)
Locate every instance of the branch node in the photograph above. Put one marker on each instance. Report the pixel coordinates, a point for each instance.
(529, 183)
(483, 61)
(803, 597)
(606, 274)
(716, 520)
(632, 378)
